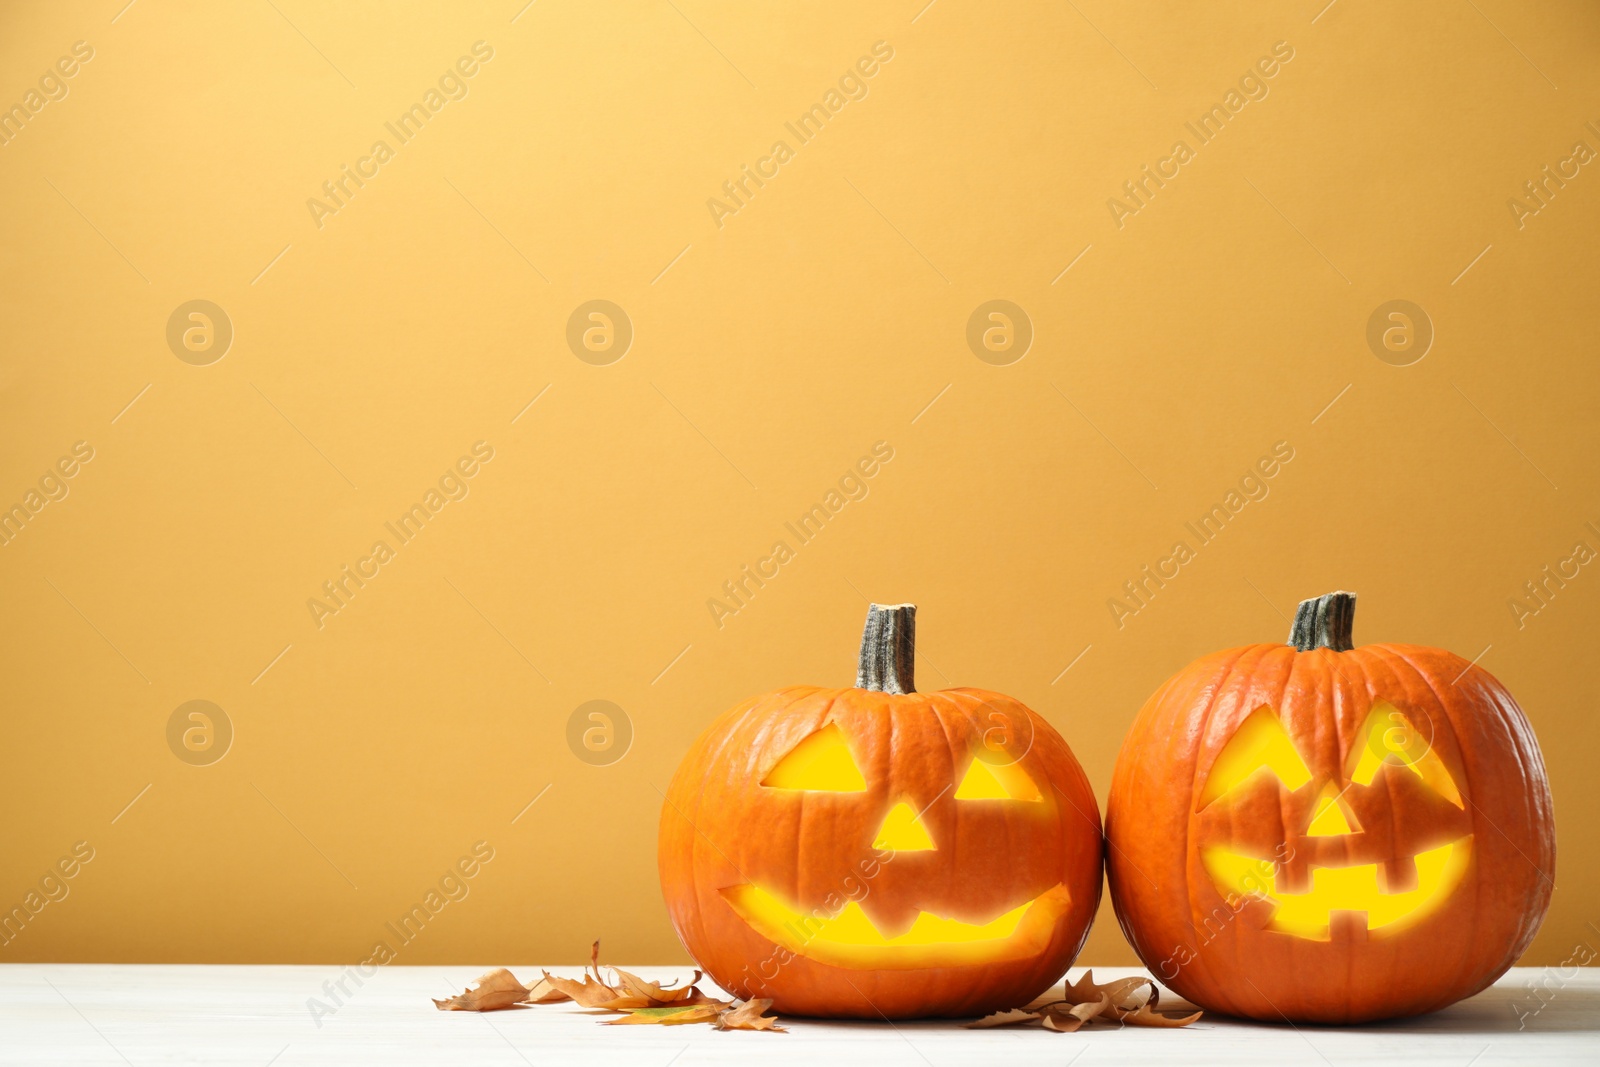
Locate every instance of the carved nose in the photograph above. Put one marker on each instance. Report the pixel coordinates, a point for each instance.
(1330, 818)
(903, 831)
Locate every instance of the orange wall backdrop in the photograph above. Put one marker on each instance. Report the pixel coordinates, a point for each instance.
(397, 380)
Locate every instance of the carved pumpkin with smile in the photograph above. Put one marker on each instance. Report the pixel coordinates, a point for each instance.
(876, 852)
(1322, 833)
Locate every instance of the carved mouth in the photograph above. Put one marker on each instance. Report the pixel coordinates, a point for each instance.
(1355, 889)
(847, 938)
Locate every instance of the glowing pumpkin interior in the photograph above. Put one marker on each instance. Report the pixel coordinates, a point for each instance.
(823, 763)
(1336, 891)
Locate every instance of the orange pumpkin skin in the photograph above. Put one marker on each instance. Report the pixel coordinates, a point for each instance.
(1224, 953)
(721, 828)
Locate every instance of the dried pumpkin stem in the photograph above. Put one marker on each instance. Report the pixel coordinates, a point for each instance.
(1325, 621)
(888, 649)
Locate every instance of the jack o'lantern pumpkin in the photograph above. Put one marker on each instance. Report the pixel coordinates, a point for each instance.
(876, 852)
(1321, 833)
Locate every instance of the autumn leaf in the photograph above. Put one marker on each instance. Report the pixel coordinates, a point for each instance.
(1145, 1017)
(624, 991)
(1132, 1001)
(589, 993)
(699, 1013)
(545, 993)
(635, 986)
(749, 1016)
(1125, 994)
(669, 1016)
(629, 994)
(1009, 1017)
(1125, 1002)
(1061, 1016)
(636, 1000)
(495, 990)
(1087, 1011)
(1065, 1018)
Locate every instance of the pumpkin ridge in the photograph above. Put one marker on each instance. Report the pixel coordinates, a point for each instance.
(1303, 663)
(1016, 887)
(1515, 731)
(801, 836)
(708, 762)
(697, 916)
(1447, 713)
(1220, 681)
(935, 701)
(948, 705)
(755, 717)
(1134, 772)
(1367, 655)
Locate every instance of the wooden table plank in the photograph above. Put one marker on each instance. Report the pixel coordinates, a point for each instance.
(251, 1016)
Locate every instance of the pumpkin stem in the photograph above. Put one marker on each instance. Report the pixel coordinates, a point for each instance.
(1325, 621)
(888, 649)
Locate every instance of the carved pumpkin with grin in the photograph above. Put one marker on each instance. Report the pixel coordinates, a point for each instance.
(1321, 833)
(876, 852)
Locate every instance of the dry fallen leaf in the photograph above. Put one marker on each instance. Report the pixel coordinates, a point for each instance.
(637, 1001)
(545, 993)
(1143, 1016)
(670, 1015)
(1005, 1018)
(495, 990)
(1125, 994)
(627, 992)
(589, 993)
(635, 986)
(1125, 1001)
(1132, 1001)
(699, 1013)
(1065, 1018)
(749, 1016)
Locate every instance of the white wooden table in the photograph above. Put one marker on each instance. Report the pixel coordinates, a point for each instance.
(258, 1016)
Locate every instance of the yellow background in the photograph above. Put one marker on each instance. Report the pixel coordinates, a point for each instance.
(770, 353)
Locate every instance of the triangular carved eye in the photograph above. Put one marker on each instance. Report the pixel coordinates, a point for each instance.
(1259, 744)
(1389, 737)
(821, 763)
(996, 781)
